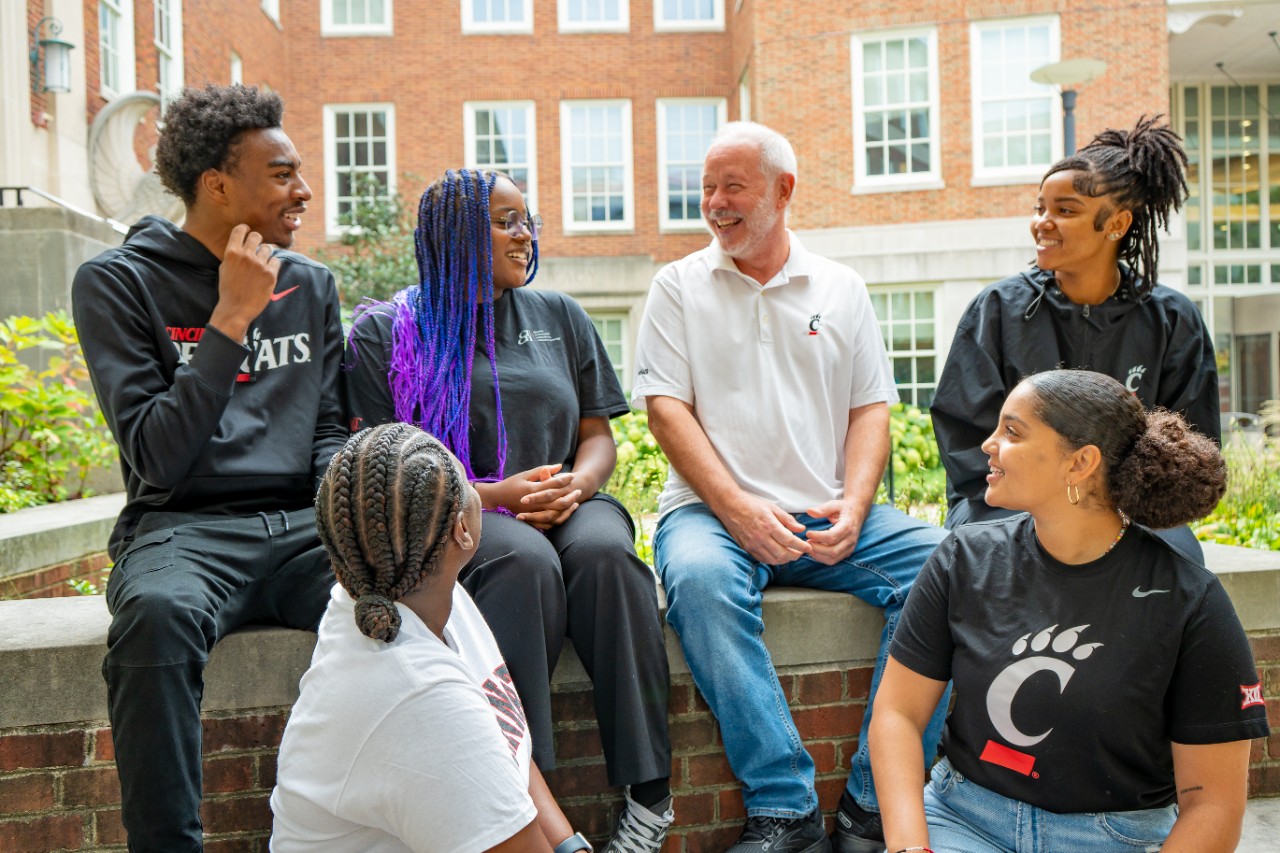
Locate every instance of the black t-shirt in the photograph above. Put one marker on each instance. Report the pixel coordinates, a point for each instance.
(553, 370)
(1071, 682)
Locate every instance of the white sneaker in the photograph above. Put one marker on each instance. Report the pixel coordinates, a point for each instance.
(639, 829)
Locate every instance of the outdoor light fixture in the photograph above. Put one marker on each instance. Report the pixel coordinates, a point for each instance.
(54, 74)
(1063, 74)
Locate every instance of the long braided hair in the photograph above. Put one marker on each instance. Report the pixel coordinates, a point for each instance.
(436, 324)
(1141, 170)
(384, 511)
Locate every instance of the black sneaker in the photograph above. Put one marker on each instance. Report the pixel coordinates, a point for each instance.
(783, 835)
(857, 830)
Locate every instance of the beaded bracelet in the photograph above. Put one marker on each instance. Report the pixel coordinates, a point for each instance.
(909, 849)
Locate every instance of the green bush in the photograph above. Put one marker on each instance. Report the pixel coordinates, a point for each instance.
(51, 432)
(1249, 513)
(378, 256)
(919, 481)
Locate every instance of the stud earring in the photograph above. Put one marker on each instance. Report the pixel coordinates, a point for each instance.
(1113, 236)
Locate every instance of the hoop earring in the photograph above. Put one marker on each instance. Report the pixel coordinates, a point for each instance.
(1073, 494)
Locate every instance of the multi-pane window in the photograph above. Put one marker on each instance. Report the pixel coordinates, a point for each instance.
(688, 15)
(685, 128)
(907, 322)
(595, 155)
(355, 17)
(168, 39)
(594, 16)
(612, 329)
(1016, 123)
(497, 16)
(359, 156)
(895, 109)
(1232, 138)
(115, 47)
(500, 136)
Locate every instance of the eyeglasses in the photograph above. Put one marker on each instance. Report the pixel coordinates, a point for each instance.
(515, 222)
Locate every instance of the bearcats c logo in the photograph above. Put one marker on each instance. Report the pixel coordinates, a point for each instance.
(1004, 688)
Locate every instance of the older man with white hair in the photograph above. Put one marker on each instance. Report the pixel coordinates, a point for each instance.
(767, 384)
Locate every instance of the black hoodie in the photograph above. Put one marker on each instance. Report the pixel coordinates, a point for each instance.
(1154, 343)
(206, 424)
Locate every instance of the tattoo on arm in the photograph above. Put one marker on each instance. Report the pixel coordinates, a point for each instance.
(1189, 790)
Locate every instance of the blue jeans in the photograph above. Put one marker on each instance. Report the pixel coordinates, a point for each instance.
(714, 591)
(967, 818)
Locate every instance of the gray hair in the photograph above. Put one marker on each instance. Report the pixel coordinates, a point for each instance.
(777, 157)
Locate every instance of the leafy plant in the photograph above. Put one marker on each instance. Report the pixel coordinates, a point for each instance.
(51, 432)
(1249, 513)
(377, 258)
(919, 481)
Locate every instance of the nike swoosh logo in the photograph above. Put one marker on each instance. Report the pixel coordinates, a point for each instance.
(1139, 592)
(276, 297)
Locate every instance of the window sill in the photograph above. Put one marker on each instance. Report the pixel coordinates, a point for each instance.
(897, 187)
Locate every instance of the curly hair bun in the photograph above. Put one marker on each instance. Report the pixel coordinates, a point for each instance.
(377, 617)
(1172, 475)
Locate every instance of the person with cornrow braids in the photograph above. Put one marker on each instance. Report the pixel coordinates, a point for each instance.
(1106, 693)
(1091, 300)
(517, 384)
(407, 734)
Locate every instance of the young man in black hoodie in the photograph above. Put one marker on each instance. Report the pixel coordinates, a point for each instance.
(215, 356)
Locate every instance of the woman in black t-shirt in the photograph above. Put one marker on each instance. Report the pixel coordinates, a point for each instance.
(1105, 690)
(517, 383)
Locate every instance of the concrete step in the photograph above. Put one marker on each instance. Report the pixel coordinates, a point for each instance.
(1261, 826)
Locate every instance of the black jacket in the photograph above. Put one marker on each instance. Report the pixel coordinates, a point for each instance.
(206, 424)
(1156, 344)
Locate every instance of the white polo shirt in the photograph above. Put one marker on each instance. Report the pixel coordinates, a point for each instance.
(771, 371)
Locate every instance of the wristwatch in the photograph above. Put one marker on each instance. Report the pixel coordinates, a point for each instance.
(573, 843)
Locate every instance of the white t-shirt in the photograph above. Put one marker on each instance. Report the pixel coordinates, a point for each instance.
(771, 371)
(413, 745)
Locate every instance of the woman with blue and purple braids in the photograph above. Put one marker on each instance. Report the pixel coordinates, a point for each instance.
(517, 383)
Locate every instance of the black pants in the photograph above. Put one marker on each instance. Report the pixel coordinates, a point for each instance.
(185, 582)
(584, 580)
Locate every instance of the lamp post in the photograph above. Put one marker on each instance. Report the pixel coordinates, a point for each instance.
(54, 75)
(1061, 75)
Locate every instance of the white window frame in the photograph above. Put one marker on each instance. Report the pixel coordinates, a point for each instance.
(470, 26)
(170, 51)
(237, 69)
(332, 229)
(665, 222)
(679, 25)
(622, 25)
(469, 110)
(329, 28)
(125, 52)
(931, 179)
(623, 368)
(1004, 175)
(910, 390)
(271, 8)
(627, 223)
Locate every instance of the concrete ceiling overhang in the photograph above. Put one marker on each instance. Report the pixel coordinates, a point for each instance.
(1237, 34)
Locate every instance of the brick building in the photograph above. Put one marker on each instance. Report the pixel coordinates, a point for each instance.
(919, 134)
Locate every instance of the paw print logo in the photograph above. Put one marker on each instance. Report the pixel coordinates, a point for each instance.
(1135, 376)
(1050, 654)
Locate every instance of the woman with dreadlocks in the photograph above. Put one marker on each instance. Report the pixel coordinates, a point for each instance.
(1091, 300)
(407, 735)
(518, 385)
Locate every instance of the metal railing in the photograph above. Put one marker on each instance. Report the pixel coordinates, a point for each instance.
(119, 227)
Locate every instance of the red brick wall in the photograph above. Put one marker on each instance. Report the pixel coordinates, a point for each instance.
(52, 581)
(815, 110)
(58, 789)
(429, 69)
